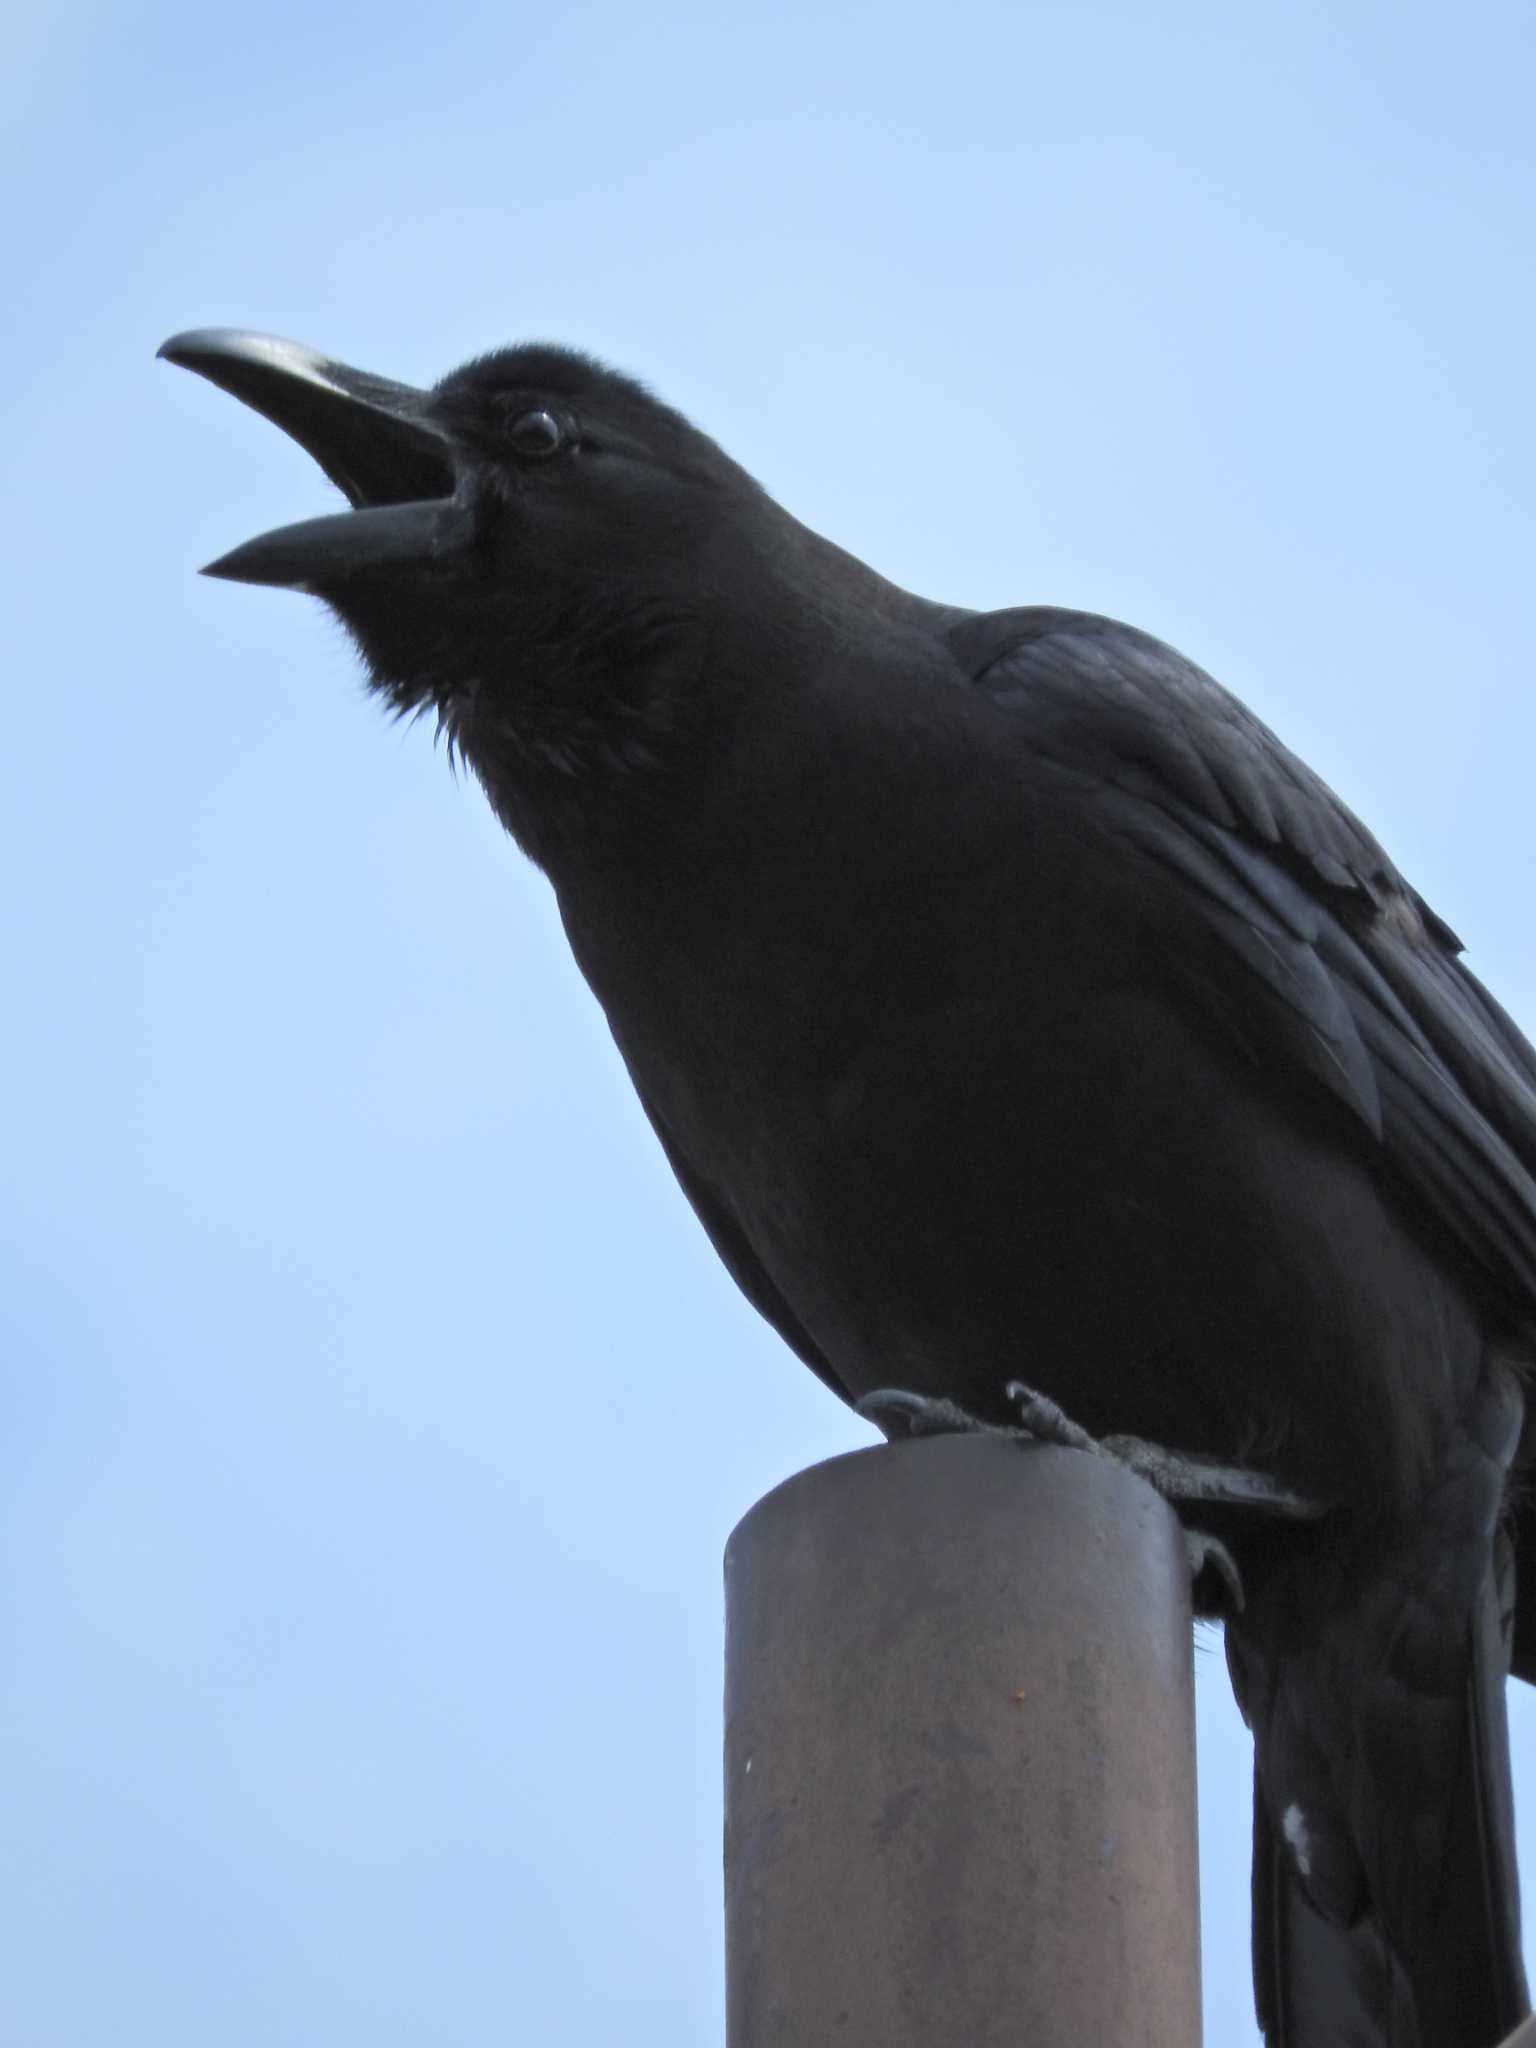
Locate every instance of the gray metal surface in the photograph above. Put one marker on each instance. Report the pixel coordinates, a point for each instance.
(959, 1757)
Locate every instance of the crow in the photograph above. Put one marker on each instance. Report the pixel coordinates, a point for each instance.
(1012, 1005)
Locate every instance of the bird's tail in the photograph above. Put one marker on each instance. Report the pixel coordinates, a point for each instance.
(1323, 1982)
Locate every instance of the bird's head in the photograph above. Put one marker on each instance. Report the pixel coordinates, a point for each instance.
(536, 551)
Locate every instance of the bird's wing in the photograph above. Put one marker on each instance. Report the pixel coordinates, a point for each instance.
(1307, 945)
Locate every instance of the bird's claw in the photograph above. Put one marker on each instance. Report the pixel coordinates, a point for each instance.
(1040, 1417)
(902, 1415)
(1206, 1552)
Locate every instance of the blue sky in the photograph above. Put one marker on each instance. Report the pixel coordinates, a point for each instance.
(376, 1410)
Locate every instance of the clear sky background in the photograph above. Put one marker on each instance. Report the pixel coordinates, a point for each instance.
(375, 1410)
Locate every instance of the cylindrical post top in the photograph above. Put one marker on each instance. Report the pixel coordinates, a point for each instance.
(959, 1756)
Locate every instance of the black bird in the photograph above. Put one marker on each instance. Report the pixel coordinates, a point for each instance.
(1010, 1002)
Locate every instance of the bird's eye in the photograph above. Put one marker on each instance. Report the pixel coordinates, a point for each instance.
(536, 434)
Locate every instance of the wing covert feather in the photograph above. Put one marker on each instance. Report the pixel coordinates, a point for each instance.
(1336, 965)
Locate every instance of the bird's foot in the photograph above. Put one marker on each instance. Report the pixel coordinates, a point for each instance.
(1183, 1480)
(1178, 1476)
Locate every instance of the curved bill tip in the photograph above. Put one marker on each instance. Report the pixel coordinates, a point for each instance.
(205, 349)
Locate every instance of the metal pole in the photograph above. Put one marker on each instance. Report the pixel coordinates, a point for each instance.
(959, 1757)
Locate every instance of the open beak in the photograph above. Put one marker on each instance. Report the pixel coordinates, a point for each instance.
(373, 439)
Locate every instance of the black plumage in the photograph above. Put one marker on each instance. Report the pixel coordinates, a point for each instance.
(1011, 1004)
